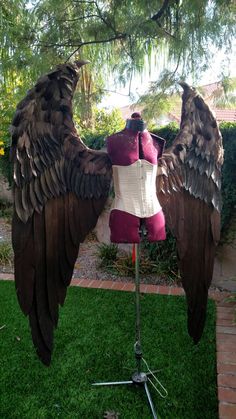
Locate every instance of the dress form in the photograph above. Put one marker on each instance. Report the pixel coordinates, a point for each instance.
(134, 153)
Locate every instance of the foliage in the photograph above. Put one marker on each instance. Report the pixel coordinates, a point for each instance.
(105, 123)
(5, 165)
(1, 148)
(168, 132)
(94, 342)
(120, 41)
(162, 97)
(227, 99)
(155, 258)
(164, 256)
(228, 131)
(6, 211)
(117, 36)
(6, 254)
(107, 253)
(155, 103)
(123, 265)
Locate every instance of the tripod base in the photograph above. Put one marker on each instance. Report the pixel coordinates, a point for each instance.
(138, 378)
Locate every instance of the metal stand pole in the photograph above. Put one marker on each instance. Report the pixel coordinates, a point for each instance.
(139, 377)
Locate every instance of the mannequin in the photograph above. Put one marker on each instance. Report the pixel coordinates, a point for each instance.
(136, 211)
(134, 153)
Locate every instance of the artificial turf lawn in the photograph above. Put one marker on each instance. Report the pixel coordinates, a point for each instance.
(94, 342)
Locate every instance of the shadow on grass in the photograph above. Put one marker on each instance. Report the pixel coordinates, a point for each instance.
(94, 342)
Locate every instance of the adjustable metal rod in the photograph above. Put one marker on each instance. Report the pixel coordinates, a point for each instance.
(139, 378)
(137, 346)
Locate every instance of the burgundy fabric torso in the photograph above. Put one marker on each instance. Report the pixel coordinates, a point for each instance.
(125, 148)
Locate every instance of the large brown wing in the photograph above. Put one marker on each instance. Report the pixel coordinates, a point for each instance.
(60, 188)
(188, 185)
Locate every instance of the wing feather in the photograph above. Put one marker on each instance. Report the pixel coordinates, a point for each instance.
(188, 186)
(60, 188)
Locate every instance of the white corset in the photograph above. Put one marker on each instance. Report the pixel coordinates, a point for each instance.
(135, 189)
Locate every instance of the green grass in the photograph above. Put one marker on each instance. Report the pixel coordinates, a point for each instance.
(94, 341)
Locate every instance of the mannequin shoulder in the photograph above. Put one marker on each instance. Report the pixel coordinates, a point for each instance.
(116, 135)
(159, 142)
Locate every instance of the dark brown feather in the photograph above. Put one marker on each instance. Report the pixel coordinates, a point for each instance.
(193, 213)
(56, 183)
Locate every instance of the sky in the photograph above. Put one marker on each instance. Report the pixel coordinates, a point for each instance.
(221, 63)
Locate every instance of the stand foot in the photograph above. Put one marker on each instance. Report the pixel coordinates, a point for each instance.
(112, 383)
(150, 401)
(138, 378)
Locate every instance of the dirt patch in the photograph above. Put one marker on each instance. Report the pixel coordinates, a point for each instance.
(5, 231)
(87, 264)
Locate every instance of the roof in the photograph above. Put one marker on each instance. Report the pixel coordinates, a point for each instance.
(208, 91)
(228, 115)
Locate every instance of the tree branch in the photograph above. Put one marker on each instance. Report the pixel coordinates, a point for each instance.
(83, 1)
(159, 14)
(117, 93)
(162, 10)
(77, 18)
(108, 24)
(102, 41)
(117, 35)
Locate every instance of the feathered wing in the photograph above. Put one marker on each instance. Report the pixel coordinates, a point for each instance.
(60, 188)
(188, 186)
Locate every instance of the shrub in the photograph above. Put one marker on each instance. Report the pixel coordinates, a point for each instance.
(6, 211)
(228, 131)
(164, 256)
(168, 132)
(6, 254)
(155, 258)
(107, 253)
(106, 123)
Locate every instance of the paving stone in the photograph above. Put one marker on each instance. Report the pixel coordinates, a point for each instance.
(164, 290)
(227, 395)
(226, 357)
(226, 368)
(176, 291)
(226, 330)
(143, 288)
(226, 338)
(227, 410)
(230, 310)
(225, 316)
(223, 346)
(107, 284)
(118, 286)
(226, 380)
(226, 322)
(129, 287)
(6, 276)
